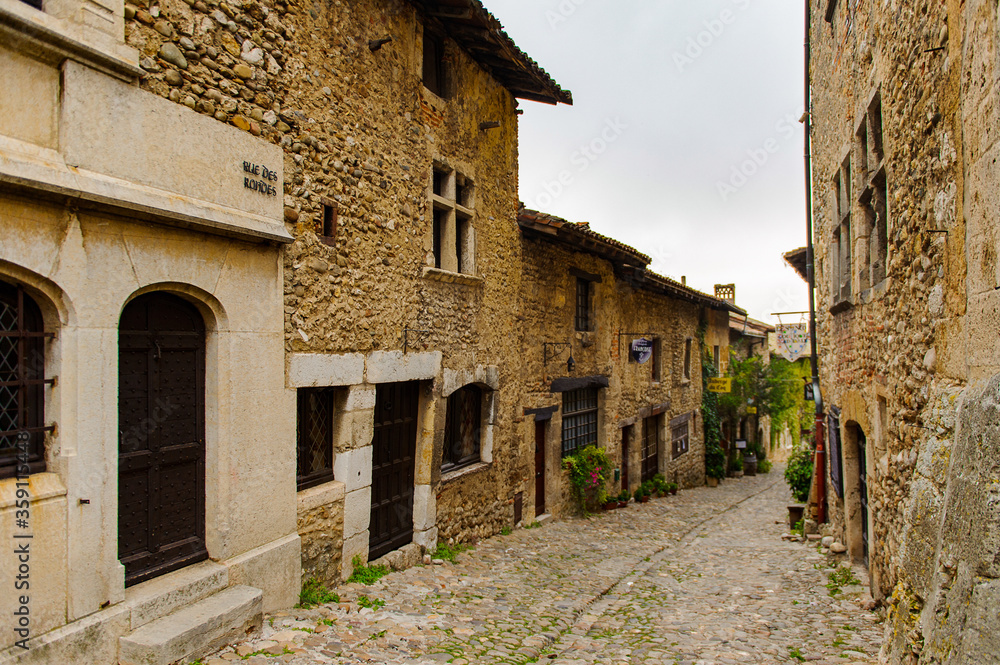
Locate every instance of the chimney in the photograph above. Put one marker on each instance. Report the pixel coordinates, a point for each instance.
(726, 292)
(684, 280)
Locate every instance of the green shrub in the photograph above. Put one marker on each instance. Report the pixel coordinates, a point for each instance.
(366, 574)
(798, 473)
(736, 464)
(764, 466)
(588, 476)
(314, 593)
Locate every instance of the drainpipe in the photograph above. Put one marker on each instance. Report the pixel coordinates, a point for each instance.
(819, 463)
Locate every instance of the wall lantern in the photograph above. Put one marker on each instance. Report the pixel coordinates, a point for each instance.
(376, 44)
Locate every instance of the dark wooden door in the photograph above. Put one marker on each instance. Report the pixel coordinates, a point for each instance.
(626, 435)
(539, 467)
(394, 447)
(863, 491)
(161, 436)
(650, 448)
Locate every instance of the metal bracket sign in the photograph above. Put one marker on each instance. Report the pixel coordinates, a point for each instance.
(752, 410)
(719, 385)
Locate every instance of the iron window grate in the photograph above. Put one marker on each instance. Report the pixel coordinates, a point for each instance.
(315, 437)
(579, 420)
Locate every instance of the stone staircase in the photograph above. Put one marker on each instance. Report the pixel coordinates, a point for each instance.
(188, 614)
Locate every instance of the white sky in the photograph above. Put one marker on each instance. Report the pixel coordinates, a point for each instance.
(673, 97)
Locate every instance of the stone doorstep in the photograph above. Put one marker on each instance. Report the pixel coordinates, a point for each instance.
(195, 630)
(162, 595)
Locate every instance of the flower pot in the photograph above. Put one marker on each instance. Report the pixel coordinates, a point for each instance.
(673, 492)
(712, 482)
(623, 504)
(645, 499)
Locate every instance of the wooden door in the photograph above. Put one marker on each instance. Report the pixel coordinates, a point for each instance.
(539, 467)
(626, 435)
(863, 491)
(394, 446)
(161, 437)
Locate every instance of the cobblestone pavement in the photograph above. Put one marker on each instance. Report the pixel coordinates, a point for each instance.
(701, 577)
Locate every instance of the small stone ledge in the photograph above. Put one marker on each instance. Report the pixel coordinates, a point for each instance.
(451, 277)
(464, 471)
(321, 495)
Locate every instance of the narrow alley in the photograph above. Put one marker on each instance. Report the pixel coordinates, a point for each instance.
(701, 577)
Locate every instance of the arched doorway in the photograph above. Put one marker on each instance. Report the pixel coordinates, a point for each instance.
(161, 440)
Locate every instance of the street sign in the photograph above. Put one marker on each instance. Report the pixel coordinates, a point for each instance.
(642, 349)
(752, 409)
(720, 385)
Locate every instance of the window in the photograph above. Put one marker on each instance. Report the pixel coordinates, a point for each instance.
(315, 436)
(579, 420)
(870, 155)
(679, 435)
(687, 359)
(328, 232)
(22, 383)
(452, 197)
(582, 304)
(436, 74)
(37, 4)
(650, 447)
(840, 246)
(463, 428)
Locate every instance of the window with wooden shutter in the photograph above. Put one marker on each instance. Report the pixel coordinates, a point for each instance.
(463, 428)
(650, 447)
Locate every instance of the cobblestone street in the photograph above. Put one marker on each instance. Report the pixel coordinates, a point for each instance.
(701, 577)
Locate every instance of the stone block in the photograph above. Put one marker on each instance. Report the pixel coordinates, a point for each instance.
(426, 539)
(357, 512)
(314, 370)
(354, 468)
(355, 546)
(396, 366)
(275, 568)
(162, 595)
(424, 508)
(195, 629)
(360, 398)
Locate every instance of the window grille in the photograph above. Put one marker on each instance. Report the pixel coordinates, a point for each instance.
(579, 420)
(22, 382)
(315, 436)
(463, 428)
(650, 447)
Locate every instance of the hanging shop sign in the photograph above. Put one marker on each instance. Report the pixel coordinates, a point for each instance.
(720, 385)
(741, 443)
(752, 410)
(793, 338)
(642, 350)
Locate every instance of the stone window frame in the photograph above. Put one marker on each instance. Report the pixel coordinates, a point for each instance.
(331, 399)
(687, 359)
(329, 222)
(37, 4)
(580, 420)
(680, 435)
(453, 233)
(840, 237)
(871, 189)
(483, 409)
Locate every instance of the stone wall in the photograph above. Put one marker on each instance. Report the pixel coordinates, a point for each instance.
(362, 135)
(549, 301)
(896, 355)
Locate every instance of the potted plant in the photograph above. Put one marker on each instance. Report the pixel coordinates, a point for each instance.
(736, 467)
(640, 495)
(672, 488)
(623, 498)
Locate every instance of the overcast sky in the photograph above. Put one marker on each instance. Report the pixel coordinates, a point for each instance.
(683, 140)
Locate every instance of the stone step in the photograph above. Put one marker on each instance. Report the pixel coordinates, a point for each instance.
(195, 630)
(162, 595)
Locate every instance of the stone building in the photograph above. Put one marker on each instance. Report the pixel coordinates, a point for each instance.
(398, 125)
(586, 298)
(140, 269)
(905, 188)
(275, 247)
